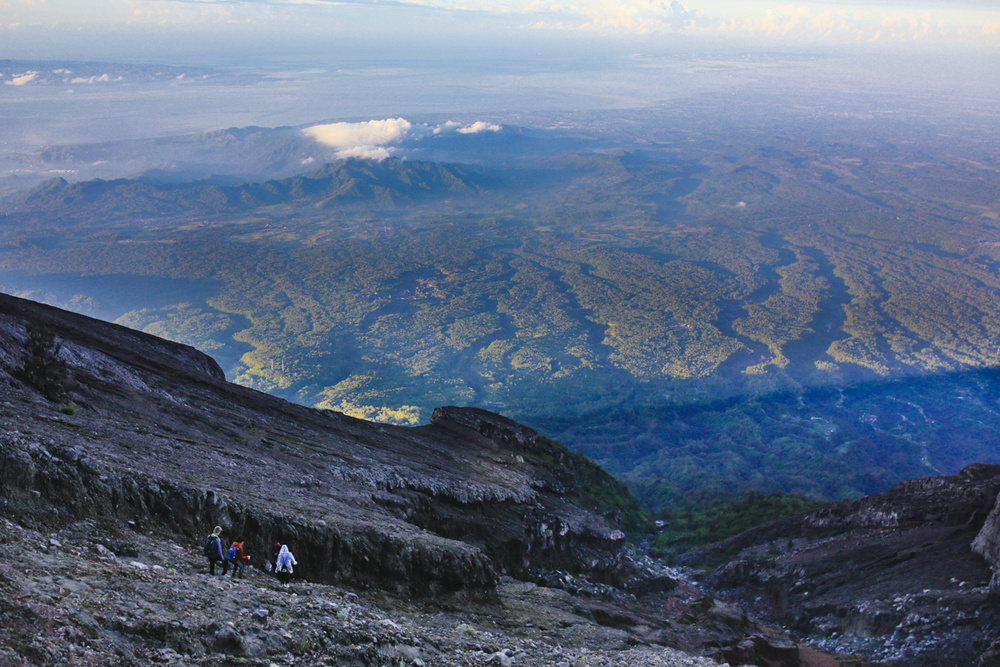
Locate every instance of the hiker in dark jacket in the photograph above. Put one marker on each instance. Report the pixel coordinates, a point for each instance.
(238, 558)
(274, 558)
(213, 551)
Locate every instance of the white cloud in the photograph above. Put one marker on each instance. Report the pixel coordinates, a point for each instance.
(104, 78)
(616, 16)
(450, 125)
(962, 21)
(22, 79)
(378, 153)
(379, 139)
(873, 22)
(373, 139)
(479, 126)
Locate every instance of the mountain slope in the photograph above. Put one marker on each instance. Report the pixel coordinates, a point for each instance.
(386, 183)
(465, 540)
(160, 433)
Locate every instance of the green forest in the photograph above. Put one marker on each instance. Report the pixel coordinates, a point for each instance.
(810, 317)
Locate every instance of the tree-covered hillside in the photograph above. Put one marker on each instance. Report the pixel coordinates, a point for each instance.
(797, 316)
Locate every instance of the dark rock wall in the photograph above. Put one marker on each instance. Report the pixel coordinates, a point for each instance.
(892, 576)
(45, 485)
(987, 543)
(132, 346)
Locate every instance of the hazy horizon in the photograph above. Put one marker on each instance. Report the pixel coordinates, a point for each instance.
(273, 63)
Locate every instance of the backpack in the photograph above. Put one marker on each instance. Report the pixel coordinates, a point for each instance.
(210, 549)
(235, 552)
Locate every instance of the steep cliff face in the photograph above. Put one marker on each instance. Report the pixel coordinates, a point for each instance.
(987, 544)
(158, 436)
(892, 576)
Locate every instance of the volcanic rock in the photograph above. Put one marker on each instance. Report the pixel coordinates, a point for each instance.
(892, 577)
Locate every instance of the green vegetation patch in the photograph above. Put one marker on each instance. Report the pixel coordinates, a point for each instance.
(684, 529)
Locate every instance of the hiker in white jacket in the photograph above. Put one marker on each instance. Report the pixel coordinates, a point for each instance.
(283, 566)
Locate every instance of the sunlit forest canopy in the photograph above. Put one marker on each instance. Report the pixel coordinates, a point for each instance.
(696, 309)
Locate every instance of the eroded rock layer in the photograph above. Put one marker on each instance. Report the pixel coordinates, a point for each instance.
(891, 576)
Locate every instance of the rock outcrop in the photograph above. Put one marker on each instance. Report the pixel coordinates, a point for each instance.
(892, 576)
(987, 545)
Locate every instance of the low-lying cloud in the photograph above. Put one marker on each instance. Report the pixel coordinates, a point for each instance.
(379, 139)
(477, 127)
(104, 78)
(22, 79)
(375, 139)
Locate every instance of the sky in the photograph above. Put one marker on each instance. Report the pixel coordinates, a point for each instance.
(155, 29)
(321, 62)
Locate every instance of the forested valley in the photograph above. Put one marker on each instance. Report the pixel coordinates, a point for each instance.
(812, 316)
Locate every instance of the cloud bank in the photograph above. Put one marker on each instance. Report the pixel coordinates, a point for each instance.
(866, 23)
(296, 22)
(104, 78)
(477, 127)
(22, 79)
(379, 139)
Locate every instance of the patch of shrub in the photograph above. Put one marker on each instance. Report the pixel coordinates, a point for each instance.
(41, 368)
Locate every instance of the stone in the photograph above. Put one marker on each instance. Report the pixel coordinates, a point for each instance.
(229, 641)
(500, 658)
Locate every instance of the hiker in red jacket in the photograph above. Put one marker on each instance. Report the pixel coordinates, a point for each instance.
(237, 558)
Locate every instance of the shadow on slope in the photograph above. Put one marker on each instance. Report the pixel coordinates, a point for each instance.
(825, 443)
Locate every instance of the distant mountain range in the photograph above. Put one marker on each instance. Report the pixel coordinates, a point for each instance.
(389, 182)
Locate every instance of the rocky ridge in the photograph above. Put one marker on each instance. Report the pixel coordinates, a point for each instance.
(894, 577)
(159, 436)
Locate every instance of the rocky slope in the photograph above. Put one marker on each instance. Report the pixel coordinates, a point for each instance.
(471, 540)
(892, 577)
(69, 599)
